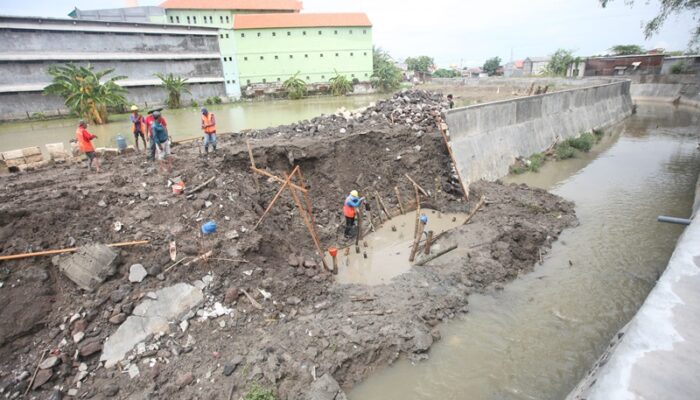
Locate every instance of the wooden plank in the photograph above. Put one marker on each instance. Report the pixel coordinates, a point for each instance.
(417, 185)
(398, 197)
(436, 255)
(66, 250)
(465, 188)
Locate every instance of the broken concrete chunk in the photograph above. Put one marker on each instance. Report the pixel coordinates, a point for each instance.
(326, 388)
(137, 273)
(49, 363)
(89, 266)
(150, 317)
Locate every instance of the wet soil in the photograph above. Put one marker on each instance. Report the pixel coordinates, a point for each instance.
(310, 325)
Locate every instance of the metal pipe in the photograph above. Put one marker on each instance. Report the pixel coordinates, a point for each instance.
(673, 220)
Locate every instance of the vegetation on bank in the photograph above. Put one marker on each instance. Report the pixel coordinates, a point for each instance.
(561, 151)
(175, 86)
(85, 93)
(258, 393)
(340, 85)
(295, 87)
(385, 75)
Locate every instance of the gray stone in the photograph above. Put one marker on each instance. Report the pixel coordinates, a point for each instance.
(150, 317)
(293, 300)
(49, 362)
(110, 390)
(89, 266)
(422, 342)
(137, 273)
(326, 388)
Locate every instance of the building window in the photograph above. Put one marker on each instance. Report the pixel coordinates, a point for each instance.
(188, 19)
(194, 20)
(177, 19)
(245, 58)
(249, 81)
(335, 32)
(365, 74)
(364, 31)
(242, 34)
(352, 54)
(337, 55)
(352, 75)
(277, 58)
(221, 19)
(321, 55)
(233, 81)
(205, 19)
(351, 31)
(289, 33)
(303, 33)
(227, 37)
(274, 34)
(259, 34)
(291, 56)
(306, 56)
(278, 79)
(211, 19)
(227, 19)
(365, 53)
(262, 58)
(172, 19)
(308, 78)
(264, 80)
(323, 77)
(320, 33)
(221, 36)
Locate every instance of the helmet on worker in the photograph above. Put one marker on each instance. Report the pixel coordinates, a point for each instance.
(354, 193)
(204, 111)
(134, 108)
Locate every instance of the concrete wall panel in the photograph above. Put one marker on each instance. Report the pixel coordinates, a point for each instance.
(487, 138)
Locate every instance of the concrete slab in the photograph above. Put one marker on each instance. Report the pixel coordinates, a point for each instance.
(89, 266)
(150, 317)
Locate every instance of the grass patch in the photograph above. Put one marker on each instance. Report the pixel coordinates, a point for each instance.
(536, 162)
(258, 393)
(564, 151)
(584, 142)
(531, 164)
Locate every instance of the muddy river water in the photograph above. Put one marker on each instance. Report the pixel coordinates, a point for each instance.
(538, 337)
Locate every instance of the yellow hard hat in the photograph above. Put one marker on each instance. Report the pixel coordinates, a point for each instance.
(134, 108)
(354, 193)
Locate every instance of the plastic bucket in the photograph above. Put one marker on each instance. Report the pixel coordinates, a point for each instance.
(121, 143)
(209, 228)
(332, 251)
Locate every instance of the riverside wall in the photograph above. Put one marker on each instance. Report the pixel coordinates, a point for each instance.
(682, 89)
(487, 138)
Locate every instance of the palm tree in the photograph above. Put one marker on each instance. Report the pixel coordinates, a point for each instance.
(175, 86)
(295, 87)
(84, 92)
(340, 85)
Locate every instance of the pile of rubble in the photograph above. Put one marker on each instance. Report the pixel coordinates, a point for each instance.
(416, 109)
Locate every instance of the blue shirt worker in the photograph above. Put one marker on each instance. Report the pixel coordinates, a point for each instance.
(352, 202)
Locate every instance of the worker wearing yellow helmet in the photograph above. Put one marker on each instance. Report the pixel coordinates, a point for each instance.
(138, 126)
(352, 202)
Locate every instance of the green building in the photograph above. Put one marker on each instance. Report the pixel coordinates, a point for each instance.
(267, 41)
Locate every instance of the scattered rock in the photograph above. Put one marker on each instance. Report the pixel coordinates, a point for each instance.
(137, 273)
(326, 388)
(231, 295)
(293, 300)
(184, 380)
(78, 337)
(41, 378)
(49, 362)
(310, 264)
(89, 266)
(110, 390)
(90, 348)
(293, 260)
(117, 319)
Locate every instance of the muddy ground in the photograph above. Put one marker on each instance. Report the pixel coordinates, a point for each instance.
(310, 329)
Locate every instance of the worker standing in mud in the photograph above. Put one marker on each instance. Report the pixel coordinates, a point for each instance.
(209, 128)
(352, 202)
(138, 127)
(152, 116)
(450, 101)
(84, 139)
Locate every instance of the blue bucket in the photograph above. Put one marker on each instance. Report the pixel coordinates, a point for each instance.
(121, 143)
(424, 219)
(209, 228)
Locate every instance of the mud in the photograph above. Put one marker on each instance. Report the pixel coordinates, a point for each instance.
(310, 326)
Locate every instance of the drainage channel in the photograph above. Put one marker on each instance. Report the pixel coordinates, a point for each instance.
(539, 336)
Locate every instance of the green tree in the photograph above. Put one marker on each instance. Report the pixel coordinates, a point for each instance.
(295, 87)
(385, 76)
(419, 64)
(626, 49)
(446, 73)
(340, 85)
(175, 86)
(559, 62)
(669, 7)
(491, 65)
(84, 92)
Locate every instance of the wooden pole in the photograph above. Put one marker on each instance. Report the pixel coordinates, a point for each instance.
(381, 202)
(359, 229)
(309, 206)
(36, 371)
(274, 199)
(278, 179)
(67, 250)
(200, 187)
(252, 166)
(436, 255)
(379, 210)
(415, 232)
(415, 241)
(398, 197)
(309, 227)
(417, 185)
(428, 242)
(465, 188)
(476, 208)
(335, 264)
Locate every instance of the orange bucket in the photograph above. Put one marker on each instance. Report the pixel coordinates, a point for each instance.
(178, 188)
(333, 251)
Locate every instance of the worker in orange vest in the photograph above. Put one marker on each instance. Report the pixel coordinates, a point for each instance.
(84, 137)
(352, 202)
(209, 128)
(138, 126)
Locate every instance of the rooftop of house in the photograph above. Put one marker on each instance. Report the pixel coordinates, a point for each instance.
(266, 5)
(537, 59)
(294, 20)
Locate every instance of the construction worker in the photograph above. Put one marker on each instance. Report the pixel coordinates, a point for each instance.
(152, 116)
(209, 128)
(84, 142)
(450, 101)
(352, 202)
(138, 127)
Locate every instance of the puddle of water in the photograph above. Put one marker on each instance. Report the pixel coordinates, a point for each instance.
(539, 336)
(388, 250)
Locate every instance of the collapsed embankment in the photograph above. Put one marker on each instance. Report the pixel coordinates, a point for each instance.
(299, 332)
(487, 138)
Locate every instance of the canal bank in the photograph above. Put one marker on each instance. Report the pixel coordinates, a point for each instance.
(539, 335)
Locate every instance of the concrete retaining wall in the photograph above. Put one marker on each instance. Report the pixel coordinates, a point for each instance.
(684, 89)
(657, 354)
(487, 138)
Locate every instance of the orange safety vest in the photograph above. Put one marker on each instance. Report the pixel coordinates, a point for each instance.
(142, 125)
(84, 144)
(349, 211)
(207, 120)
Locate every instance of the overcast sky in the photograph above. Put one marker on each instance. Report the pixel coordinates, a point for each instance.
(466, 32)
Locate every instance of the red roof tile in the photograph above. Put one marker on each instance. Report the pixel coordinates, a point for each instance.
(294, 20)
(287, 5)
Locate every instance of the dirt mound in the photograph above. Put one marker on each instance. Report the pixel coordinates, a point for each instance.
(299, 325)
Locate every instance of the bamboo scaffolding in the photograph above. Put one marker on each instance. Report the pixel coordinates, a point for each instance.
(309, 226)
(66, 250)
(277, 195)
(417, 185)
(398, 197)
(465, 188)
(381, 202)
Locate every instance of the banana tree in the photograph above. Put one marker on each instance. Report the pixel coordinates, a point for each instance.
(175, 86)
